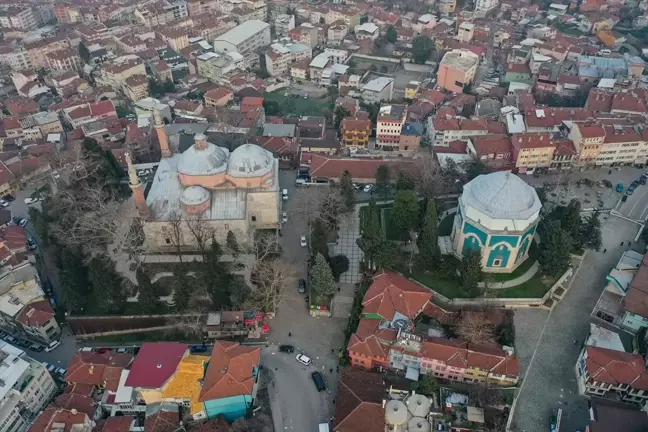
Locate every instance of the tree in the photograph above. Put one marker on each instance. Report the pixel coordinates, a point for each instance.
(352, 64)
(216, 277)
(147, 298)
(340, 114)
(405, 212)
(325, 208)
(430, 180)
(590, 235)
(339, 264)
(271, 279)
(474, 328)
(346, 190)
(391, 35)
(107, 285)
(474, 168)
(371, 235)
(427, 242)
(421, 49)
(471, 272)
(201, 232)
(382, 180)
(427, 385)
(182, 291)
(322, 280)
(240, 292)
(572, 221)
(404, 182)
(232, 244)
(318, 240)
(555, 249)
(73, 277)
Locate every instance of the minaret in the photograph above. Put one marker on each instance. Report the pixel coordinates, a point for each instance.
(136, 187)
(161, 133)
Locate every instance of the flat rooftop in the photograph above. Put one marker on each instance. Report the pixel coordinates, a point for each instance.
(460, 60)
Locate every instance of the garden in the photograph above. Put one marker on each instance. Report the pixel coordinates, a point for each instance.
(278, 103)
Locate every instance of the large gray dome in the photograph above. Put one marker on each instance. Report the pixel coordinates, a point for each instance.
(250, 160)
(501, 195)
(197, 161)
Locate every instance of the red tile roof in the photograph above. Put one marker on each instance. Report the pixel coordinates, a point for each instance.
(13, 236)
(616, 367)
(358, 405)
(231, 372)
(6, 176)
(454, 147)
(532, 140)
(35, 314)
(518, 68)
(98, 369)
(599, 100)
(628, 103)
(115, 424)
(333, 167)
(217, 94)
(162, 421)
(492, 144)
(636, 299)
(621, 134)
(57, 416)
(565, 147)
(11, 123)
(155, 363)
(391, 292)
(81, 403)
(591, 130)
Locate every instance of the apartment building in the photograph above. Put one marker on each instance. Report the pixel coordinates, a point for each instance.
(26, 387)
(136, 87)
(588, 139)
(389, 125)
(279, 57)
(175, 38)
(22, 18)
(283, 23)
(198, 7)
(466, 32)
(306, 33)
(355, 132)
(485, 5)
(38, 50)
(336, 33)
(494, 150)
(16, 58)
(244, 38)
(218, 97)
(218, 68)
(623, 145)
(130, 44)
(442, 131)
(209, 26)
(114, 75)
(378, 90)
(161, 12)
(64, 60)
(532, 150)
(457, 70)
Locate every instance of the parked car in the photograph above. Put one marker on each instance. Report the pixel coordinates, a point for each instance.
(9, 198)
(287, 349)
(302, 286)
(37, 347)
(303, 359)
(357, 186)
(302, 241)
(61, 371)
(368, 188)
(4, 203)
(23, 222)
(31, 200)
(284, 217)
(9, 339)
(52, 346)
(318, 379)
(619, 187)
(198, 349)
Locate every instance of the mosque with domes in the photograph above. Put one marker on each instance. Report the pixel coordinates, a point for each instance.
(498, 214)
(234, 191)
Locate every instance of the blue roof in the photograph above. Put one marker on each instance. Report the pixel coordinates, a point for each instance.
(412, 129)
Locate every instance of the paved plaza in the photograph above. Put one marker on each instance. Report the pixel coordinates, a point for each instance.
(346, 244)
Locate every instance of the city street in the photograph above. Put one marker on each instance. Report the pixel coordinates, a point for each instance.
(545, 341)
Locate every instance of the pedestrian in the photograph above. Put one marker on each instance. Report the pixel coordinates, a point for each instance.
(622, 243)
(629, 244)
(604, 250)
(289, 334)
(331, 370)
(332, 351)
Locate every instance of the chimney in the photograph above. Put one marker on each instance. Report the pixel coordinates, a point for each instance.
(161, 133)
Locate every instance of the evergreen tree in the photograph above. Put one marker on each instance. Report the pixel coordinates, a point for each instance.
(590, 236)
(322, 280)
(427, 242)
(340, 114)
(405, 212)
(216, 277)
(404, 182)
(471, 272)
(422, 47)
(182, 291)
(555, 249)
(572, 221)
(391, 34)
(107, 289)
(73, 276)
(382, 180)
(371, 237)
(148, 297)
(318, 242)
(339, 264)
(346, 190)
(239, 293)
(232, 244)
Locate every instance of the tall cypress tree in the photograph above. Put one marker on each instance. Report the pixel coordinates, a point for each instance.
(371, 237)
(346, 190)
(427, 242)
(147, 298)
(322, 280)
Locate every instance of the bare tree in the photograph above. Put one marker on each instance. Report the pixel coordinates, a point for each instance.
(259, 423)
(474, 328)
(192, 325)
(430, 179)
(265, 246)
(314, 205)
(271, 279)
(201, 232)
(174, 230)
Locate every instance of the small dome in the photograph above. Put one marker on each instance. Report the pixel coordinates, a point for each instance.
(418, 405)
(250, 160)
(194, 195)
(501, 195)
(418, 424)
(197, 161)
(395, 412)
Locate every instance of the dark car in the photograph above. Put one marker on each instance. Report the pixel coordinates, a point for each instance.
(9, 198)
(302, 286)
(198, 349)
(287, 348)
(318, 379)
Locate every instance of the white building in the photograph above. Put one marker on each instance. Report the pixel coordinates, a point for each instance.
(283, 23)
(244, 38)
(279, 57)
(26, 387)
(485, 5)
(367, 31)
(378, 90)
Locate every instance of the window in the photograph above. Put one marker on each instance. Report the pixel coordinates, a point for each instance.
(167, 240)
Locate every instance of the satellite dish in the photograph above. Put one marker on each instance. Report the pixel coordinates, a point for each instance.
(399, 324)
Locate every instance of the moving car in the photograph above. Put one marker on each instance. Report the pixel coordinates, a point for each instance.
(284, 217)
(642, 179)
(368, 188)
(31, 200)
(302, 286)
(619, 187)
(302, 241)
(284, 194)
(287, 349)
(61, 371)
(318, 379)
(303, 359)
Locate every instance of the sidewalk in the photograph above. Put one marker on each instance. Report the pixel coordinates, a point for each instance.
(514, 282)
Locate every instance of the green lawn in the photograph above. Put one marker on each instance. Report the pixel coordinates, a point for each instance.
(392, 232)
(297, 105)
(526, 265)
(445, 227)
(535, 287)
(446, 287)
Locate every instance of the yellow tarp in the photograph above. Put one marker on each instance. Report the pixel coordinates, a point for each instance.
(184, 385)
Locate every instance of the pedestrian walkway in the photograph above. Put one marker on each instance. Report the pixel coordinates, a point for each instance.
(346, 244)
(514, 282)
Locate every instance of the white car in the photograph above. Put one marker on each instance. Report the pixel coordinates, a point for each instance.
(303, 359)
(52, 346)
(284, 217)
(23, 222)
(302, 241)
(31, 200)
(368, 188)
(4, 203)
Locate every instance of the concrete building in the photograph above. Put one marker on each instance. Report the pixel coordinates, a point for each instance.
(466, 32)
(588, 139)
(378, 90)
(532, 150)
(246, 37)
(175, 38)
(279, 57)
(442, 131)
(237, 191)
(367, 31)
(64, 60)
(336, 33)
(485, 5)
(283, 23)
(457, 70)
(115, 74)
(389, 125)
(218, 68)
(159, 13)
(306, 33)
(498, 214)
(136, 87)
(355, 133)
(26, 387)
(22, 18)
